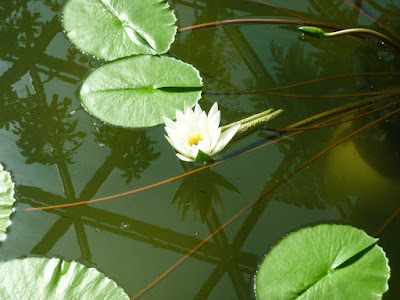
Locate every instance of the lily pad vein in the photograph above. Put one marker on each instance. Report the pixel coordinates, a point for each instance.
(331, 270)
(186, 89)
(125, 24)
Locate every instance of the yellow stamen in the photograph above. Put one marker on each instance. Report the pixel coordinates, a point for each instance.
(195, 139)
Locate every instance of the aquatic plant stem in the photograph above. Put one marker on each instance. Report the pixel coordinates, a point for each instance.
(344, 108)
(339, 122)
(275, 186)
(361, 11)
(357, 105)
(69, 205)
(260, 21)
(253, 91)
(267, 21)
(283, 22)
(303, 96)
(387, 223)
(317, 32)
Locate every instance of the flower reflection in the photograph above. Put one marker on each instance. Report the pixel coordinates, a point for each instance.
(200, 193)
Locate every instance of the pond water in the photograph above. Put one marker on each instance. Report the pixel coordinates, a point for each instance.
(57, 153)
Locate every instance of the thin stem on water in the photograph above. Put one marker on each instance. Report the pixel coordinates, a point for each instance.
(318, 33)
(354, 31)
(267, 192)
(387, 223)
(301, 123)
(271, 22)
(339, 122)
(361, 11)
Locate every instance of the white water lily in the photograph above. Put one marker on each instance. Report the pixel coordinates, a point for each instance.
(194, 130)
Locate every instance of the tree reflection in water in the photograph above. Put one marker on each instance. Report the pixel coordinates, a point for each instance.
(49, 131)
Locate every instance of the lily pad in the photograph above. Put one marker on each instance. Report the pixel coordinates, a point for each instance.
(138, 91)
(44, 278)
(6, 200)
(324, 262)
(111, 29)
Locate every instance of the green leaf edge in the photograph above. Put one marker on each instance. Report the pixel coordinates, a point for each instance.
(7, 200)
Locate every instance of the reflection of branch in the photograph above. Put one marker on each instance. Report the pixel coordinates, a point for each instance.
(252, 204)
(358, 8)
(30, 55)
(247, 54)
(138, 230)
(52, 236)
(99, 177)
(221, 239)
(82, 239)
(283, 10)
(178, 177)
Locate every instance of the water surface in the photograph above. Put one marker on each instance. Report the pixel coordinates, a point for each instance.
(58, 153)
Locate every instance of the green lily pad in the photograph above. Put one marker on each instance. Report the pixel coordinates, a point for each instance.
(324, 262)
(111, 29)
(6, 200)
(49, 279)
(138, 91)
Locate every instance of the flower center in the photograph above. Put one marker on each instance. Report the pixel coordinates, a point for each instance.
(195, 139)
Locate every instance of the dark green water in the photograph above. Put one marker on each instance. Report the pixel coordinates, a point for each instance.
(57, 153)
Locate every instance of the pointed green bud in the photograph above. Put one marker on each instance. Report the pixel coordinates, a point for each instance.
(313, 31)
(202, 157)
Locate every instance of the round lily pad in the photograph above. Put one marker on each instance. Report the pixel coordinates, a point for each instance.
(111, 29)
(324, 262)
(138, 91)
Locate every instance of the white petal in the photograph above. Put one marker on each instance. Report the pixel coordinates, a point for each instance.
(189, 112)
(172, 132)
(197, 111)
(172, 143)
(177, 146)
(184, 158)
(179, 116)
(224, 138)
(169, 123)
(203, 123)
(205, 146)
(215, 138)
(214, 121)
(194, 150)
(213, 110)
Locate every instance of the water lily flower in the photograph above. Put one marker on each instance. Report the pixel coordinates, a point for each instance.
(197, 136)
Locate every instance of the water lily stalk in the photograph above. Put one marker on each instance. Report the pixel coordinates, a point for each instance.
(252, 123)
(318, 33)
